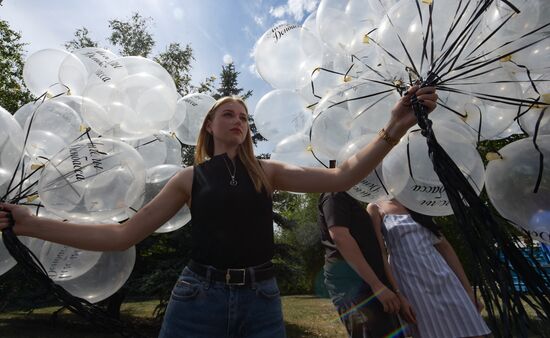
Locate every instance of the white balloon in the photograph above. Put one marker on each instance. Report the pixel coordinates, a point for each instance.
(156, 179)
(92, 180)
(297, 150)
(344, 25)
(58, 118)
(76, 68)
(371, 188)
(423, 192)
(281, 113)
(11, 141)
(63, 262)
(158, 149)
(539, 112)
(196, 106)
(286, 55)
(41, 70)
(511, 182)
(138, 93)
(105, 278)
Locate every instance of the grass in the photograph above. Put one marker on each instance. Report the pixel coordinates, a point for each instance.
(305, 316)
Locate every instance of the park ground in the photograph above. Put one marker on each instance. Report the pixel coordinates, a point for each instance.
(305, 316)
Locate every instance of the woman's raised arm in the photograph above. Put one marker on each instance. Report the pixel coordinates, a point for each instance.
(303, 179)
(104, 237)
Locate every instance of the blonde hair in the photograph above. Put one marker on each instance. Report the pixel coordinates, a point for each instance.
(205, 147)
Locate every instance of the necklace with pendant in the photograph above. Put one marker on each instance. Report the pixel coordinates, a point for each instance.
(232, 182)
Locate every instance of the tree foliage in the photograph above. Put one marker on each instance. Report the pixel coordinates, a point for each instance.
(299, 256)
(177, 61)
(13, 93)
(132, 36)
(229, 86)
(80, 40)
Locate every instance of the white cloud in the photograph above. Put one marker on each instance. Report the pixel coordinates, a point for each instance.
(278, 12)
(259, 20)
(227, 59)
(296, 9)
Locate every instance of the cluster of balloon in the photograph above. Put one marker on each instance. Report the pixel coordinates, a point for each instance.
(337, 76)
(103, 138)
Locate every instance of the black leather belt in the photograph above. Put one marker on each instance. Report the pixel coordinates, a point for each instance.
(243, 276)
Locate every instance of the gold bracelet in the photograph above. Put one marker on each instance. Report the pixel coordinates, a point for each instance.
(384, 136)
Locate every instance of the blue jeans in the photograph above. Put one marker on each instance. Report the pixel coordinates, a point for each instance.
(203, 308)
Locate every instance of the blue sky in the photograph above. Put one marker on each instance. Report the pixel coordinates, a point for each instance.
(217, 30)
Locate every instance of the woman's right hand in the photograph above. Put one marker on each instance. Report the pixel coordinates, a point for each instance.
(11, 215)
(402, 117)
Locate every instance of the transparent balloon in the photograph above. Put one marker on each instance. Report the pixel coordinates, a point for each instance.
(297, 150)
(281, 113)
(286, 55)
(372, 187)
(410, 177)
(158, 149)
(105, 278)
(486, 120)
(335, 70)
(76, 69)
(345, 25)
(157, 177)
(196, 106)
(56, 117)
(41, 69)
(331, 128)
(511, 182)
(44, 144)
(137, 92)
(6, 260)
(73, 74)
(92, 179)
(11, 141)
(25, 111)
(63, 262)
(537, 114)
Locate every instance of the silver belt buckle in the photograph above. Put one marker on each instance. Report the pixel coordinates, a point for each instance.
(228, 276)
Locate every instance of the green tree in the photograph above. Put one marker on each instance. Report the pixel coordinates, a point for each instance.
(13, 93)
(80, 40)
(177, 61)
(229, 86)
(299, 256)
(132, 36)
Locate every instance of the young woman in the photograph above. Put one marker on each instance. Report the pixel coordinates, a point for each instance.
(429, 274)
(228, 288)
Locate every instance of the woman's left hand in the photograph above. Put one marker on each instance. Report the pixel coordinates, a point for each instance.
(406, 311)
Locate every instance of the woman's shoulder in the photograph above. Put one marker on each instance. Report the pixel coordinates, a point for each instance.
(184, 178)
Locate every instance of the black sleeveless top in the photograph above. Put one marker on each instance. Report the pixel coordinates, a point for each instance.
(232, 226)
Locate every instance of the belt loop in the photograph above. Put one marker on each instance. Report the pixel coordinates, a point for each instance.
(252, 274)
(208, 277)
